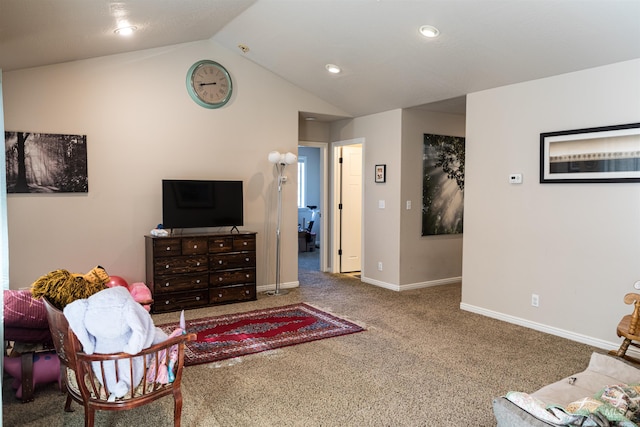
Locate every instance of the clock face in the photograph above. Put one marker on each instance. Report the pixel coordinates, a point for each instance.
(209, 84)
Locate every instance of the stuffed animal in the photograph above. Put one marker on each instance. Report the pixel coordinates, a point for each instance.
(61, 287)
(141, 293)
(111, 321)
(46, 369)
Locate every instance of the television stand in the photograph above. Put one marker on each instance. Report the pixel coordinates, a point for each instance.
(200, 270)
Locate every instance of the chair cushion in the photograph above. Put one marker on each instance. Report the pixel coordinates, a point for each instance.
(603, 370)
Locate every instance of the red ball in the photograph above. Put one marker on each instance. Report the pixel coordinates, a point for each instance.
(117, 281)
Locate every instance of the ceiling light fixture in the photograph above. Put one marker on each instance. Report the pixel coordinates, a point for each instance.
(429, 31)
(332, 68)
(125, 31)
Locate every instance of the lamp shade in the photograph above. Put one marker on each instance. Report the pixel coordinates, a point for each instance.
(290, 158)
(274, 157)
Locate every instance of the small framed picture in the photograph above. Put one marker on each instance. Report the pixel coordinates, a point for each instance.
(381, 173)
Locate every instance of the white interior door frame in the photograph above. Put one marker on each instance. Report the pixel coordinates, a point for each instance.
(324, 205)
(335, 200)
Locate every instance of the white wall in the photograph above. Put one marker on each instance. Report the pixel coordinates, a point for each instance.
(141, 127)
(393, 235)
(428, 260)
(381, 227)
(575, 245)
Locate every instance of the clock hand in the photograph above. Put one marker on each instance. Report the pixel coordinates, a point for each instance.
(206, 84)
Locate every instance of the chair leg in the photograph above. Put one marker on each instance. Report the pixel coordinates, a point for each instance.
(67, 404)
(177, 406)
(623, 347)
(27, 377)
(65, 390)
(89, 416)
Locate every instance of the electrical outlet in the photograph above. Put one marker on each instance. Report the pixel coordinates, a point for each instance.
(515, 178)
(379, 265)
(535, 300)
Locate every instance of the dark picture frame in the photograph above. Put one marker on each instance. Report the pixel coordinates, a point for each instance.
(443, 184)
(380, 173)
(46, 162)
(591, 155)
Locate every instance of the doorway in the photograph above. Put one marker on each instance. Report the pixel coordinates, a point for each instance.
(347, 206)
(312, 221)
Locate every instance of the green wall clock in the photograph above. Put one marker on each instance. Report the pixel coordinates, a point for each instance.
(209, 84)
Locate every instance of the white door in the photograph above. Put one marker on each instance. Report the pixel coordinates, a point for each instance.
(351, 212)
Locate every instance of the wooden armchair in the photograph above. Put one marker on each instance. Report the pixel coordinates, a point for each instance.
(629, 328)
(85, 387)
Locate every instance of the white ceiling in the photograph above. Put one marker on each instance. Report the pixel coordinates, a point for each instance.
(387, 65)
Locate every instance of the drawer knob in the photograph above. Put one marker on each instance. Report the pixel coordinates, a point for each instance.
(248, 275)
(166, 266)
(166, 302)
(198, 281)
(244, 243)
(195, 246)
(166, 285)
(198, 264)
(246, 259)
(221, 245)
(219, 295)
(219, 279)
(247, 292)
(168, 248)
(197, 298)
(220, 262)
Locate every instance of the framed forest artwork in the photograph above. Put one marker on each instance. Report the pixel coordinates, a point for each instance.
(46, 162)
(442, 184)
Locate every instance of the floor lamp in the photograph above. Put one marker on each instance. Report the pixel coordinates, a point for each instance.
(280, 161)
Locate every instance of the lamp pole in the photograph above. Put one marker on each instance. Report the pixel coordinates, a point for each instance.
(280, 161)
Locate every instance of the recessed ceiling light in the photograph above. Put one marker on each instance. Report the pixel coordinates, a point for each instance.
(332, 68)
(125, 31)
(429, 31)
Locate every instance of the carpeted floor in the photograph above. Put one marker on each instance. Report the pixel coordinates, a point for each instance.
(421, 362)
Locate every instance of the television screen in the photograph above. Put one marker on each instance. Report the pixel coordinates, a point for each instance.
(195, 204)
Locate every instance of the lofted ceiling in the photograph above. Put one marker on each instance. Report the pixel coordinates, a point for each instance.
(386, 64)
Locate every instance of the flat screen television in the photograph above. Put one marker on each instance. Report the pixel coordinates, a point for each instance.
(201, 203)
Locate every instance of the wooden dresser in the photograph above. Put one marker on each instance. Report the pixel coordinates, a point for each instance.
(197, 270)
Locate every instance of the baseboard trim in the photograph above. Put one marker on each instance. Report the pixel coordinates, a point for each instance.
(410, 286)
(288, 285)
(428, 284)
(584, 339)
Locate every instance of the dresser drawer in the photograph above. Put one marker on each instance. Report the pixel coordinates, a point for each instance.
(165, 247)
(181, 283)
(244, 243)
(232, 260)
(232, 293)
(233, 277)
(220, 244)
(195, 246)
(180, 301)
(179, 265)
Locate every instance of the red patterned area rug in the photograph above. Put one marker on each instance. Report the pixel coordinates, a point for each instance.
(233, 335)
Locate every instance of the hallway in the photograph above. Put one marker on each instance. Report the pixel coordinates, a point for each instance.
(309, 260)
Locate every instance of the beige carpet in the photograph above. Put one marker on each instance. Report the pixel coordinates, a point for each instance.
(421, 362)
